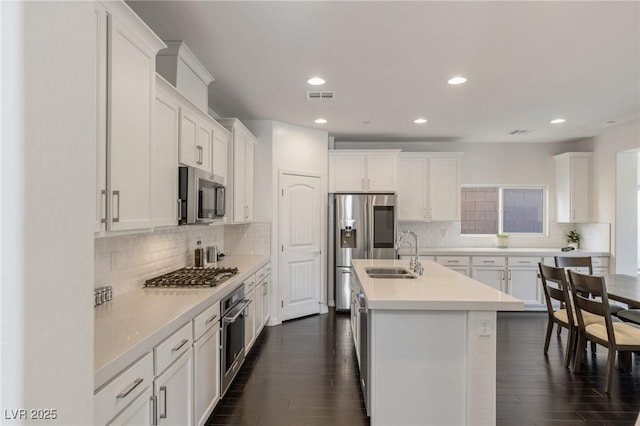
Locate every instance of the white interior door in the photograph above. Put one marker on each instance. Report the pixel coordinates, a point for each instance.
(300, 227)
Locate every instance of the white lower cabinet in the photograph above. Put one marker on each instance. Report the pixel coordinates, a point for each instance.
(121, 400)
(514, 275)
(493, 276)
(206, 357)
(266, 298)
(173, 390)
(258, 318)
(139, 413)
(523, 283)
(249, 321)
(490, 270)
(457, 263)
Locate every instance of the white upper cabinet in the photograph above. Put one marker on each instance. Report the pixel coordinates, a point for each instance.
(164, 183)
(240, 197)
(196, 138)
(429, 186)
(573, 187)
(363, 170)
(127, 87)
(221, 142)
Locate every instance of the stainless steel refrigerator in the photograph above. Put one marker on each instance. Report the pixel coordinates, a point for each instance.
(362, 226)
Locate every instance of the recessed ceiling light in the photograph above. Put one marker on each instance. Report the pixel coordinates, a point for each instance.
(457, 80)
(420, 120)
(316, 81)
(557, 121)
(320, 121)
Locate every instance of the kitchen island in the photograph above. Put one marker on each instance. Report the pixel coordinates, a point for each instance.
(430, 351)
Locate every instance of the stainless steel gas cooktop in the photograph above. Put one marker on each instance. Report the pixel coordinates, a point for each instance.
(193, 277)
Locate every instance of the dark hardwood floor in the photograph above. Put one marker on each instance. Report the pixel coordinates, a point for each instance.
(304, 373)
(533, 389)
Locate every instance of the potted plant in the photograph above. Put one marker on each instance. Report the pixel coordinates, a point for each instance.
(573, 238)
(502, 240)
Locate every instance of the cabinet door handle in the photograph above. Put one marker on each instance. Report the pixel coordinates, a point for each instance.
(368, 183)
(163, 391)
(425, 213)
(210, 320)
(199, 148)
(116, 217)
(180, 345)
(453, 261)
(103, 206)
(488, 261)
(317, 252)
(154, 410)
(362, 184)
(129, 388)
(179, 208)
(509, 274)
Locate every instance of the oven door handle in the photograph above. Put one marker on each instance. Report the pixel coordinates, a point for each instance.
(240, 307)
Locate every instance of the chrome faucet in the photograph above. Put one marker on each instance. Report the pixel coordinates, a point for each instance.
(414, 263)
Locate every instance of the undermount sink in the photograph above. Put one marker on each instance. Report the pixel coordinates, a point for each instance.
(390, 273)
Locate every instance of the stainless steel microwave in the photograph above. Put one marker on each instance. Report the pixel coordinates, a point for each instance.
(201, 196)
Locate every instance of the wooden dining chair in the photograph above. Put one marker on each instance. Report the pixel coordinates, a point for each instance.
(615, 336)
(555, 287)
(584, 264)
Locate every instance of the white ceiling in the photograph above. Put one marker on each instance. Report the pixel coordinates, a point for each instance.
(389, 62)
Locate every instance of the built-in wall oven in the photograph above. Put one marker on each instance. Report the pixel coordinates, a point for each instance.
(233, 313)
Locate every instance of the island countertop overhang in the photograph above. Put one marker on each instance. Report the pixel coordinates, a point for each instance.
(439, 288)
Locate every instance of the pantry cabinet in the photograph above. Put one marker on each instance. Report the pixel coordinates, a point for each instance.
(125, 62)
(240, 197)
(429, 187)
(573, 187)
(363, 170)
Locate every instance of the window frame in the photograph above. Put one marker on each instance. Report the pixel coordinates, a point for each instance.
(501, 187)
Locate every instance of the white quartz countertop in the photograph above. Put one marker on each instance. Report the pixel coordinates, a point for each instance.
(494, 251)
(131, 324)
(439, 288)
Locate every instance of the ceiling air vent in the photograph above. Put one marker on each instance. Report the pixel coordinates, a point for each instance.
(519, 132)
(320, 96)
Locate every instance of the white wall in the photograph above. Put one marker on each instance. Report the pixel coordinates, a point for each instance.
(606, 148)
(287, 147)
(48, 138)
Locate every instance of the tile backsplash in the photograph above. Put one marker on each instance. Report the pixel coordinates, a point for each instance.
(595, 236)
(125, 262)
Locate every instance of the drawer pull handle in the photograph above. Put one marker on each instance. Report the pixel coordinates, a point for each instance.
(524, 261)
(453, 261)
(180, 345)
(131, 387)
(210, 319)
(488, 261)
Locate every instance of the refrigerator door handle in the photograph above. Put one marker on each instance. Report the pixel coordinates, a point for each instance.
(370, 227)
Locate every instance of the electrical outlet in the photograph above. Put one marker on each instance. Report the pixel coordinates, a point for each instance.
(485, 330)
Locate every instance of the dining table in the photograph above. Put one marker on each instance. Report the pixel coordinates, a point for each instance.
(623, 288)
